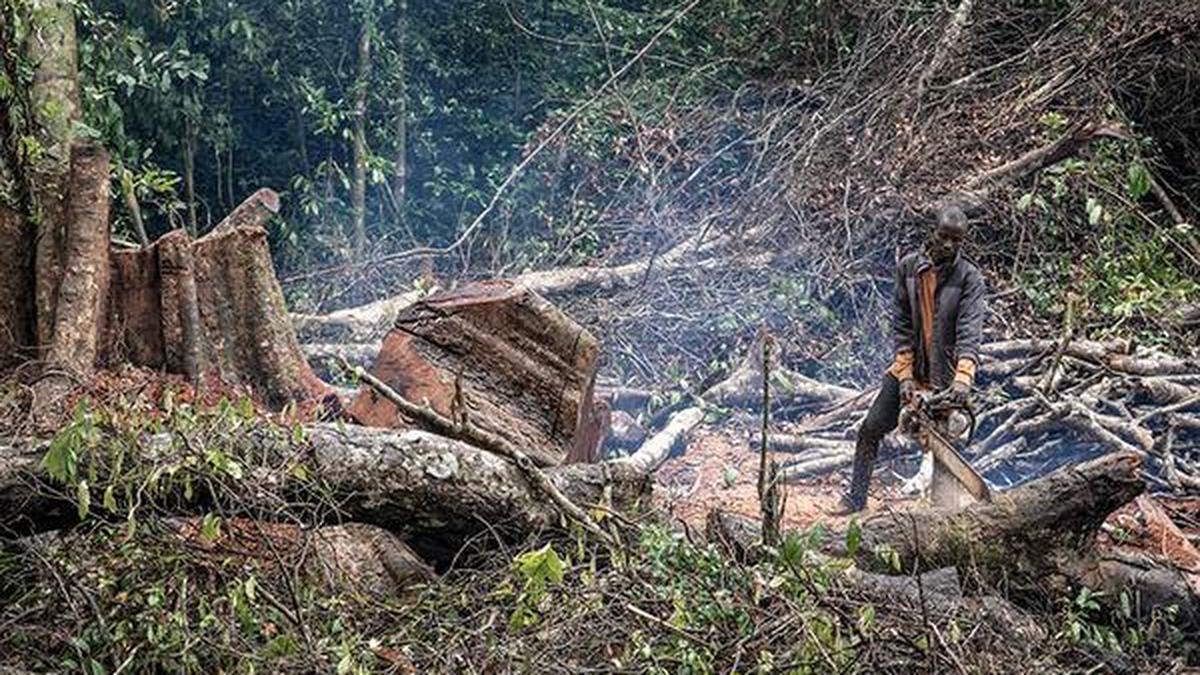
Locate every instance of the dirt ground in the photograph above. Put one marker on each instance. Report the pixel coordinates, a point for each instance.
(720, 470)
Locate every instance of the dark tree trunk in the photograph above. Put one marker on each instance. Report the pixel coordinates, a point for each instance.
(16, 288)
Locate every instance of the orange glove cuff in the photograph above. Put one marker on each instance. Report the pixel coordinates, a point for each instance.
(965, 372)
(902, 367)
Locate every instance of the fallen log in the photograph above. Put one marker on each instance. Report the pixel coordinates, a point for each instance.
(657, 449)
(436, 490)
(499, 355)
(1024, 529)
(1043, 532)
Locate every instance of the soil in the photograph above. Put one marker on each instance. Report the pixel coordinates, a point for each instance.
(720, 470)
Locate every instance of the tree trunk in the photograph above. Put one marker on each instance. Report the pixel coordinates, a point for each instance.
(500, 355)
(54, 100)
(189, 171)
(437, 490)
(212, 306)
(358, 188)
(400, 177)
(83, 290)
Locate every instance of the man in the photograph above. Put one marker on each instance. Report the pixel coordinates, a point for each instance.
(938, 326)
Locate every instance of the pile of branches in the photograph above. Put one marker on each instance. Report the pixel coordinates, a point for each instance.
(677, 605)
(1042, 404)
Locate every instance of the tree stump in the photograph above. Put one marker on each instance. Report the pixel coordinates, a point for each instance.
(500, 355)
(210, 307)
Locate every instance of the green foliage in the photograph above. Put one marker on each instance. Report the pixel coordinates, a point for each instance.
(537, 571)
(1096, 238)
(134, 457)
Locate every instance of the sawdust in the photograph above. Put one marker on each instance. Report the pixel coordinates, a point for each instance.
(720, 470)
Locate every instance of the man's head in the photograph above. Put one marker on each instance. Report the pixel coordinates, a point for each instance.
(947, 235)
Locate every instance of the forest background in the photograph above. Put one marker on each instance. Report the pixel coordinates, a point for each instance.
(388, 128)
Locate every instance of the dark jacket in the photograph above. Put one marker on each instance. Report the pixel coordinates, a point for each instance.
(958, 316)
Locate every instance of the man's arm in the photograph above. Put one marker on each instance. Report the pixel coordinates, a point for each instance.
(902, 328)
(972, 312)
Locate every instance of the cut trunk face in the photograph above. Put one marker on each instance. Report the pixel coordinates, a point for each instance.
(503, 357)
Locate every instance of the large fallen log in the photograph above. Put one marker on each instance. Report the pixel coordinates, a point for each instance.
(1043, 532)
(437, 490)
(500, 356)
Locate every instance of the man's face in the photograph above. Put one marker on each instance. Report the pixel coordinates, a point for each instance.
(945, 241)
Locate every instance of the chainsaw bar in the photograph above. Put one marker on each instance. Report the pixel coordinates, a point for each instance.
(945, 452)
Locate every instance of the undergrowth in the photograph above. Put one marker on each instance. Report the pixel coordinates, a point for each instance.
(135, 587)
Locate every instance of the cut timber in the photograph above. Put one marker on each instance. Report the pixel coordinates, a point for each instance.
(500, 355)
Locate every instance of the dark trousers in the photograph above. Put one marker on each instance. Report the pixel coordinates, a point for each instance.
(881, 418)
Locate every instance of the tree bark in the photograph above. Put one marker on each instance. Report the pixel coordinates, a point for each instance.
(400, 177)
(500, 355)
(211, 306)
(83, 290)
(440, 491)
(55, 102)
(358, 188)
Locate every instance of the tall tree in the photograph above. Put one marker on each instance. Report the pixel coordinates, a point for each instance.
(358, 120)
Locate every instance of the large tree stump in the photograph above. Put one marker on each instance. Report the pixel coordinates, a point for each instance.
(210, 307)
(500, 355)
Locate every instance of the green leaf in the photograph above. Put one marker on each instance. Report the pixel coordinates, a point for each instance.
(1137, 180)
(853, 538)
(866, 617)
(83, 498)
(542, 564)
(62, 459)
(210, 527)
(1025, 201)
(109, 501)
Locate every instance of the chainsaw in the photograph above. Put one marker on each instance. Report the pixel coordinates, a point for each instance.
(951, 480)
